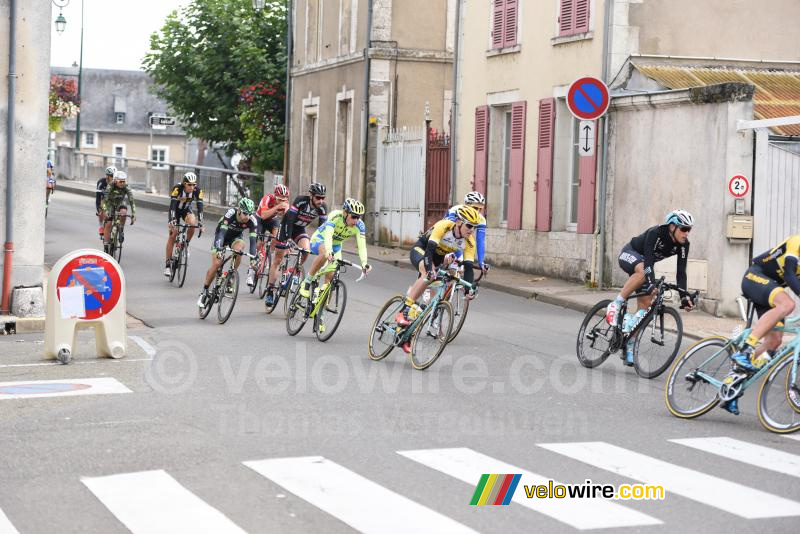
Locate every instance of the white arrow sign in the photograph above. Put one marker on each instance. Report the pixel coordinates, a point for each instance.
(586, 138)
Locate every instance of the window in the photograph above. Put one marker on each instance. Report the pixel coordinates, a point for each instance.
(90, 140)
(573, 17)
(159, 153)
(119, 156)
(120, 118)
(505, 16)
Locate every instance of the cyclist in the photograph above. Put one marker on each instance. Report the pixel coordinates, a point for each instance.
(637, 259)
(327, 241)
(100, 191)
(230, 232)
(445, 238)
(303, 210)
(764, 284)
(180, 209)
(270, 210)
(477, 201)
(51, 181)
(113, 204)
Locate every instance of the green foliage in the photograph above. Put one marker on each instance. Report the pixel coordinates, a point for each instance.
(207, 56)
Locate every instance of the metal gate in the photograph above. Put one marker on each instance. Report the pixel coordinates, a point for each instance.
(400, 185)
(776, 190)
(437, 176)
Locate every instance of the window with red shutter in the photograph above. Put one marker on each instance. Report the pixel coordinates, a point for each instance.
(510, 30)
(573, 17)
(498, 23)
(581, 16)
(481, 163)
(544, 164)
(516, 170)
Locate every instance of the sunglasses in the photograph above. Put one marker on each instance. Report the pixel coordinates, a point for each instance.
(190, 185)
(354, 216)
(318, 198)
(685, 229)
(470, 226)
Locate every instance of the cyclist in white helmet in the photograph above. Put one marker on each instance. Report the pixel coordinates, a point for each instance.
(99, 194)
(637, 259)
(476, 200)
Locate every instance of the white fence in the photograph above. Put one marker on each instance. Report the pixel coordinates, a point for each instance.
(400, 185)
(776, 191)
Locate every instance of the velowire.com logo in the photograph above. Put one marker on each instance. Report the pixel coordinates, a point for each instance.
(495, 489)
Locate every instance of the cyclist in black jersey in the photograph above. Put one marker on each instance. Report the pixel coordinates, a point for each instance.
(99, 193)
(303, 210)
(180, 209)
(638, 258)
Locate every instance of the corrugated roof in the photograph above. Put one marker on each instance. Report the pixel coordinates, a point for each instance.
(777, 92)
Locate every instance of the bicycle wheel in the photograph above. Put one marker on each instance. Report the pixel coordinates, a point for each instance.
(779, 398)
(228, 291)
(173, 267)
(296, 313)
(263, 274)
(384, 329)
(252, 288)
(293, 287)
(330, 315)
(687, 394)
(116, 250)
(460, 308)
(657, 343)
(183, 265)
(431, 335)
(595, 336)
(280, 289)
(212, 296)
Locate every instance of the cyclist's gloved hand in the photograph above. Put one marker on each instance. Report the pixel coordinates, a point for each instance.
(471, 293)
(366, 268)
(133, 220)
(330, 257)
(218, 253)
(253, 263)
(173, 223)
(687, 303)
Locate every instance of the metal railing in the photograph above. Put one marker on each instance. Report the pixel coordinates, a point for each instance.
(220, 186)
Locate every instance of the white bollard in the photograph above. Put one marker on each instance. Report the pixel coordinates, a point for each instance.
(86, 288)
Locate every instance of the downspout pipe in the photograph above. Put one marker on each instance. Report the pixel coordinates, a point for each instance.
(454, 107)
(287, 122)
(601, 202)
(8, 247)
(365, 113)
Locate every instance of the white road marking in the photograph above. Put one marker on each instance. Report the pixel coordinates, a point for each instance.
(749, 453)
(34, 389)
(146, 347)
(152, 502)
(351, 498)
(90, 362)
(728, 496)
(5, 525)
(467, 465)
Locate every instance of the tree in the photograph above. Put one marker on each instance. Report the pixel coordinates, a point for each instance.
(207, 56)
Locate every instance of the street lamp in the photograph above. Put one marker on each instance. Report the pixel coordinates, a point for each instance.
(258, 5)
(61, 23)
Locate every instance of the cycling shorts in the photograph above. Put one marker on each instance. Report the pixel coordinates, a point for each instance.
(418, 255)
(629, 259)
(297, 233)
(267, 226)
(760, 289)
(315, 244)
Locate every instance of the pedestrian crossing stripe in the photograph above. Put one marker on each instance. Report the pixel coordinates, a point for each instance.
(795, 437)
(5, 525)
(351, 498)
(749, 453)
(728, 496)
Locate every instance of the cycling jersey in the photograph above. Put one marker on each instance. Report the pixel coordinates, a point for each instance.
(180, 202)
(299, 215)
(335, 231)
(229, 229)
(480, 232)
(654, 245)
(114, 197)
(781, 263)
(100, 191)
(268, 202)
(440, 240)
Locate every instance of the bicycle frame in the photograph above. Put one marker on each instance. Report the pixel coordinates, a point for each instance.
(655, 306)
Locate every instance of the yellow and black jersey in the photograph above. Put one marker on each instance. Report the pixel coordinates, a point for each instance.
(772, 262)
(181, 201)
(446, 242)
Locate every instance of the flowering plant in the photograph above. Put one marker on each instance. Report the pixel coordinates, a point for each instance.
(261, 110)
(63, 102)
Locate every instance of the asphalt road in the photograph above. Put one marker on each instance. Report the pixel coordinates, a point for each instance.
(240, 426)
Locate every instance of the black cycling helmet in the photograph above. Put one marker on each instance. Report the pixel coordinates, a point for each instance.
(317, 189)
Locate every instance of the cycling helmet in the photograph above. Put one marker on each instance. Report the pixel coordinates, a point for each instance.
(680, 218)
(190, 178)
(122, 176)
(473, 197)
(317, 189)
(246, 206)
(353, 207)
(468, 214)
(281, 191)
(110, 170)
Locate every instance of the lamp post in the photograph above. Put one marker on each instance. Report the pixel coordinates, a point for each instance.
(61, 24)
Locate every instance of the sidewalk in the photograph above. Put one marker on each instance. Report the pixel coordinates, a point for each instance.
(696, 324)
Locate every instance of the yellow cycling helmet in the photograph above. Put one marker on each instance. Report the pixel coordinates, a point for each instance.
(469, 215)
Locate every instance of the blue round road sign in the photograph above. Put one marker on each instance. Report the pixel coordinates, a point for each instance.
(588, 98)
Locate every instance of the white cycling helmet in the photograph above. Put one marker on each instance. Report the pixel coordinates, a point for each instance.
(474, 197)
(680, 218)
(110, 170)
(122, 176)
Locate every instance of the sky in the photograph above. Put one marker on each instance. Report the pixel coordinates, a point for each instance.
(116, 33)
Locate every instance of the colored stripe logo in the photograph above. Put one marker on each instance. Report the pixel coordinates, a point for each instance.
(495, 489)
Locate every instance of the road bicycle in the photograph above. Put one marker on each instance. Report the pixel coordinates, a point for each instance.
(704, 376)
(429, 332)
(456, 294)
(290, 274)
(51, 189)
(225, 287)
(653, 353)
(264, 255)
(117, 236)
(324, 305)
(179, 262)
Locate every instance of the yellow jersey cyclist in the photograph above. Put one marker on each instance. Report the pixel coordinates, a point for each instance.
(445, 237)
(230, 232)
(180, 209)
(764, 284)
(476, 200)
(326, 242)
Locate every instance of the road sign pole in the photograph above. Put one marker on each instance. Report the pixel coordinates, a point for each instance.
(148, 184)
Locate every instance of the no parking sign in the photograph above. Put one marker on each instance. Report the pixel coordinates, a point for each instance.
(587, 98)
(97, 278)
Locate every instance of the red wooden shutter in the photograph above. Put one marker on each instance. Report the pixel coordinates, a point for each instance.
(498, 23)
(516, 168)
(544, 164)
(566, 15)
(587, 173)
(581, 16)
(510, 33)
(481, 149)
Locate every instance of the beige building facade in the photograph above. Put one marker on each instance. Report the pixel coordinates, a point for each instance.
(410, 69)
